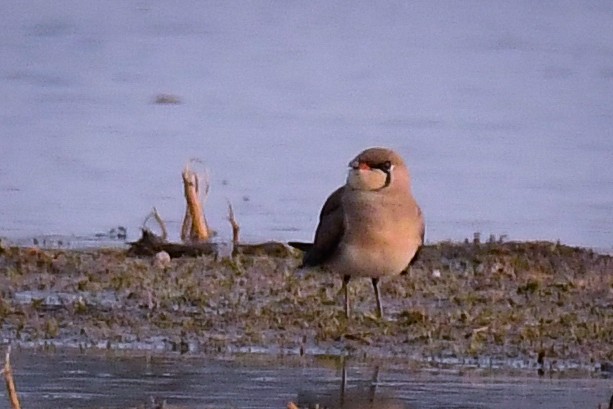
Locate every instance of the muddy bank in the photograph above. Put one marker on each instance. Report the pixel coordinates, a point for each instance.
(508, 304)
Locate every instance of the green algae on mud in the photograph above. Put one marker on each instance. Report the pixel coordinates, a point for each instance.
(460, 301)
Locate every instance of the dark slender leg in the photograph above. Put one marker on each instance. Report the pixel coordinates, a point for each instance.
(373, 385)
(346, 291)
(343, 383)
(375, 284)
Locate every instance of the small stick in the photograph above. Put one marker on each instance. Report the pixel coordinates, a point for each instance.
(207, 185)
(235, 226)
(160, 221)
(186, 227)
(480, 329)
(204, 176)
(10, 383)
(156, 216)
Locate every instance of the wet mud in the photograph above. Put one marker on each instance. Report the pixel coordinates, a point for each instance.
(538, 305)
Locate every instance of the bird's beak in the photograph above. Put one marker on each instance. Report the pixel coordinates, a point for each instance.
(359, 165)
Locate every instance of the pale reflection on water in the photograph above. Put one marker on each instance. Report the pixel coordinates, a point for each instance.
(75, 380)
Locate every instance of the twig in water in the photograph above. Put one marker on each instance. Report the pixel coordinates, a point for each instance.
(10, 383)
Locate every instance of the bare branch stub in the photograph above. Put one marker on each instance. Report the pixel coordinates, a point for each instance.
(235, 226)
(203, 180)
(199, 230)
(160, 221)
(186, 226)
(156, 216)
(10, 383)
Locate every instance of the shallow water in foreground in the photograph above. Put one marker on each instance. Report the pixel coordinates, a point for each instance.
(75, 380)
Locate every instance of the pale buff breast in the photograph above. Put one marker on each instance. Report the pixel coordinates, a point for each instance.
(358, 261)
(382, 234)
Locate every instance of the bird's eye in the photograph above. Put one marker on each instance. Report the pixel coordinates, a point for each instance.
(383, 166)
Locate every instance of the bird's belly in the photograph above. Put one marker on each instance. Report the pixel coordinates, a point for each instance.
(357, 261)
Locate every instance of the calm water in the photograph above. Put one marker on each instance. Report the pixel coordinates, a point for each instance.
(86, 381)
(503, 110)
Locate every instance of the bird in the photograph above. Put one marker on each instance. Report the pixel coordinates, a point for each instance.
(371, 226)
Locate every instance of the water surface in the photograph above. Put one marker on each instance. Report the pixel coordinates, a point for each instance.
(503, 111)
(74, 380)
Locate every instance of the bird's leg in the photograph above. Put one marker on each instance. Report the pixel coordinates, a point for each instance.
(343, 382)
(346, 291)
(375, 285)
(373, 385)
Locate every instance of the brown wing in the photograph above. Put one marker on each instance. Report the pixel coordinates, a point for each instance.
(329, 231)
(423, 225)
(422, 229)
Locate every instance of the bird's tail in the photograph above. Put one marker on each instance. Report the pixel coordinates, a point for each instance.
(301, 245)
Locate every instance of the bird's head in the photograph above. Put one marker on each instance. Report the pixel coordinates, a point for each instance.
(377, 169)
